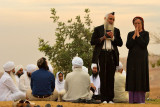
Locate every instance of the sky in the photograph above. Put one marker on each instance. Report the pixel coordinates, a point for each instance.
(22, 22)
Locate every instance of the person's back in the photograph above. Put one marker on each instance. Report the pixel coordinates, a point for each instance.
(77, 85)
(119, 88)
(42, 82)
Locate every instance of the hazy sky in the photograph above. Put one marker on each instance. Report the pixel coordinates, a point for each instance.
(23, 21)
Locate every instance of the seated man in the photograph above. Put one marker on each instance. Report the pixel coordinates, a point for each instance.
(25, 79)
(42, 83)
(8, 90)
(60, 85)
(18, 73)
(77, 83)
(120, 96)
(95, 82)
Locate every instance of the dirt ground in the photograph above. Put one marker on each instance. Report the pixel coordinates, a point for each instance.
(68, 104)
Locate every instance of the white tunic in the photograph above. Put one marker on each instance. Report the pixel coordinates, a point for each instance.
(120, 95)
(77, 85)
(24, 83)
(96, 82)
(8, 90)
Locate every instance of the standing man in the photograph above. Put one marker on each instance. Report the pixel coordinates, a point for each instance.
(106, 38)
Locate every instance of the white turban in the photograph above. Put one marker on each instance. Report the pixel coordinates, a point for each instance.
(85, 69)
(31, 68)
(8, 66)
(120, 66)
(18, 68)
(93, 65)
(77, 62)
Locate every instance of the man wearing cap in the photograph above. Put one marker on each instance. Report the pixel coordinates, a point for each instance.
(95, 82)
(121, 96)
(106, 38)
(18, 73)
(77, 83)
(25, 79)
(8, 90)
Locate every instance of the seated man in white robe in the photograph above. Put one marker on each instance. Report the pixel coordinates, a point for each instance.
(18, 73)
(60, 85)
(77, 83)
(8, 90)
(95, 82)
(120, 95)
(25, 79)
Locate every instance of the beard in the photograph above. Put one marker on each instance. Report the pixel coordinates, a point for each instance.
(13, 77)
(108, 26)
(19, 75)
(95, 74)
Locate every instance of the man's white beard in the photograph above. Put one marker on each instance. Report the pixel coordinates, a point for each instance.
(108, 26)
(13, 77)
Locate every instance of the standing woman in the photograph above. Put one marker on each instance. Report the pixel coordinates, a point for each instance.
(137, 80)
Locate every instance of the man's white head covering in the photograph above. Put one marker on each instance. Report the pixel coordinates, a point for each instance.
(77, 62)
(50, 68)
(85, 69)
(18, 68)
(8, 66)
(31, 68)
(93, 65)
(120, 66)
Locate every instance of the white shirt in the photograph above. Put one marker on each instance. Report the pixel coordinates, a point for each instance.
(24, 82)
(96, 82)
(8, 90)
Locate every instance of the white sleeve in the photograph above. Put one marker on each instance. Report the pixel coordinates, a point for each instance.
(10, 84)
(91, 79)
(22, 86)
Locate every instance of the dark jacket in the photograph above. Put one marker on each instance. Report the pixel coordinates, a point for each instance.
(95, 40)
(42, 82)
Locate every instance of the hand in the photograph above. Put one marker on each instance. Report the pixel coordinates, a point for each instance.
(92, 85)
(137, 31)
(110, 34)
(103, 38)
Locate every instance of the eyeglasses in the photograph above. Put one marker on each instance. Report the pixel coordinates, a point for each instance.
(111, 19)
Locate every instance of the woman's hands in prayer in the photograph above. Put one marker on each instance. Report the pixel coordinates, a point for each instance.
(136, 33)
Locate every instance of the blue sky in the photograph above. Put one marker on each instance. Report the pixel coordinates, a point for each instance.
(23, 21)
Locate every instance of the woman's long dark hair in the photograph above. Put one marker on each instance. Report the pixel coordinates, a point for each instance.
(42, 63)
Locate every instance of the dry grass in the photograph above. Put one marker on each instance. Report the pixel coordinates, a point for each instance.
(151, 103)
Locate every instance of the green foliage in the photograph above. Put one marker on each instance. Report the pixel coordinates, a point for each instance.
(72, 38)
(158, 62)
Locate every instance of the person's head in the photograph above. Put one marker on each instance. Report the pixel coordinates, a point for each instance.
(110, 18)
(77, 62)
(19, 70)
(60, 76)
(42, 63)
(94, 70)
(30, 69)
(119, 68)
(138, 22)
(9, 67)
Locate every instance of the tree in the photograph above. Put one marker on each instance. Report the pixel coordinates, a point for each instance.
(72, 38)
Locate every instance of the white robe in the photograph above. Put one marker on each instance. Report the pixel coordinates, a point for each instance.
(96, 82)
(120, 95)
(77, 85)
(59, 85)
(8, 90)
(17, 79)
(24, 83)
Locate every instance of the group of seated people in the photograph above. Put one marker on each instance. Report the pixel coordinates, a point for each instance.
(38, 83)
